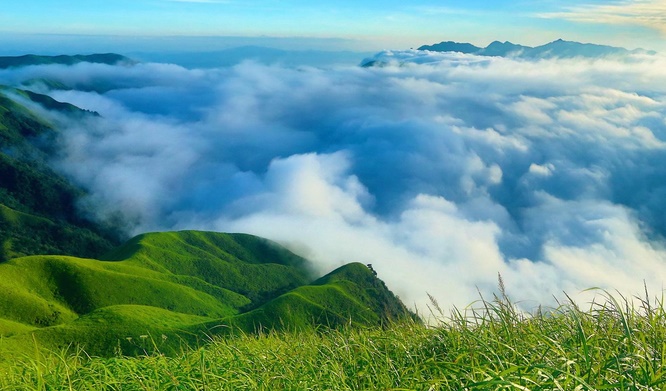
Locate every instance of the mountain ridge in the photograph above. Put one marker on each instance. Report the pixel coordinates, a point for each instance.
(7, 62)
(555, 49)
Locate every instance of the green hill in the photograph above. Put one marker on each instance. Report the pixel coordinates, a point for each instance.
(180, 287)
(351, 294)
(254, 267)
(38, 206)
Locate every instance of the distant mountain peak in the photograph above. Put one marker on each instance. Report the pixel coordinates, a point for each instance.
(559, 48)
(32, 59)
(451, 46)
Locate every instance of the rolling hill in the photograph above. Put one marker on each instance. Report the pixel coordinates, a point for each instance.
(165, 289)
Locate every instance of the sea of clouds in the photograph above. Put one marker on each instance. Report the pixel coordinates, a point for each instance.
(442, 170)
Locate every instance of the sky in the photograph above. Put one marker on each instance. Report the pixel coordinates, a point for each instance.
(443, 170)
(334, 25)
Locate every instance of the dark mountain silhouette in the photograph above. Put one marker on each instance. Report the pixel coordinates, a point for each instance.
(556, 49)
(32, 59)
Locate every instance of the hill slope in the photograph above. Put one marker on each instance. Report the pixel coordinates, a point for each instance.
(351, 294)
(184, 286)
(38, 206)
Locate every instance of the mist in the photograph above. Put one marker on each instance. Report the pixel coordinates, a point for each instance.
(442, 170)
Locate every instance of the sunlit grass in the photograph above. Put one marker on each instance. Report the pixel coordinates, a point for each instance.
(615, 343)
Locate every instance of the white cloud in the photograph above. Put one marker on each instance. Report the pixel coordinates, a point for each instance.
(439, 169)
(545, 170)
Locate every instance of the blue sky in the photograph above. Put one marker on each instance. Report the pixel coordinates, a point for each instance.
(367, 25)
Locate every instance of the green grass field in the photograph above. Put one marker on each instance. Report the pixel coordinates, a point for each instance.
(613, 345)
(185, 286)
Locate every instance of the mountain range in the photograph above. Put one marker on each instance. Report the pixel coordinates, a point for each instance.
(556, 49)
(31, 59)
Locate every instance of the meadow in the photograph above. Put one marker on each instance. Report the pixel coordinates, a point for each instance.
(616, 343)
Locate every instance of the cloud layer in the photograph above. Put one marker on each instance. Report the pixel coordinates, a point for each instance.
(442, 170)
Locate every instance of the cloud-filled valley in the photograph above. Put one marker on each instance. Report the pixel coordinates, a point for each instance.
(440, 169)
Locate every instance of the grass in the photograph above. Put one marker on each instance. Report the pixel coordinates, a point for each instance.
(23, 234)
(613, 344)
(163, 271)
(251, 266)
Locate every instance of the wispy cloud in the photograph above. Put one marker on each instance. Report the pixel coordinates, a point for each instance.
(646, 13)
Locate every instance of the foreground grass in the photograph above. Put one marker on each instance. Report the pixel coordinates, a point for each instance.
(615, 345)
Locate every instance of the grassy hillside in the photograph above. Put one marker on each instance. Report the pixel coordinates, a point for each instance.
(23, 234)
(254, 267)
(38, 206)
(611, 345)
(18, 124)
(183, 286)
(349, 295)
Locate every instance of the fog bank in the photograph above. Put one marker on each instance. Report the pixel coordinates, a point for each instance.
(440, 169)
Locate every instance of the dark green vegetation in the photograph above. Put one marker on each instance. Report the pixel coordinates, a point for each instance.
(488, 346)
(31, 59)
(38, 206)
(180, 288)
